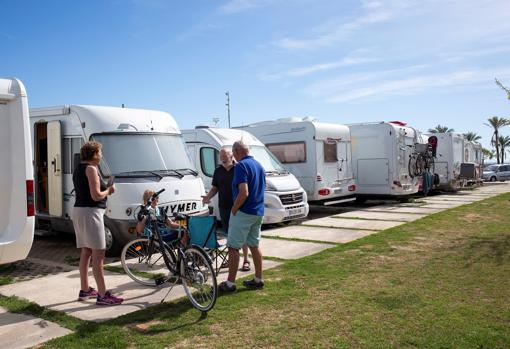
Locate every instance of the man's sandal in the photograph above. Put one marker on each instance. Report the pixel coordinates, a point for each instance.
(246, 266)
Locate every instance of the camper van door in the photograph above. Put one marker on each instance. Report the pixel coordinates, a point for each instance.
(55, 168)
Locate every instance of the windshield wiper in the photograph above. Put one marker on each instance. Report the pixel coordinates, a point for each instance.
(187, 170)
(138, 174)
(173, 173)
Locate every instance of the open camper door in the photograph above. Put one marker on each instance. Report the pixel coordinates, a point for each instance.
(55, 168)
(16, 173)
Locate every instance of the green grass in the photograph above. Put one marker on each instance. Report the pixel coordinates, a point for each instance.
(5, 269)
(439, 282)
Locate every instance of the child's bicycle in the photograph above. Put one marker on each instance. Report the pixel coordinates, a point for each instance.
(151, 261)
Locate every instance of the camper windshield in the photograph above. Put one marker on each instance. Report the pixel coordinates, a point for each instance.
(144, 155)
(267, 160)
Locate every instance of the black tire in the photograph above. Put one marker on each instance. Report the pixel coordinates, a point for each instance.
(199, 279)
(143, 262)
(113, 247)
(493, 179)
(411, 166)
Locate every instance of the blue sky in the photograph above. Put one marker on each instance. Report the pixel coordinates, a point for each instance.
(426, 62)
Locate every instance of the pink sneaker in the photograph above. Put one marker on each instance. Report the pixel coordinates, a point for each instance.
(108, 299)
(84, 295)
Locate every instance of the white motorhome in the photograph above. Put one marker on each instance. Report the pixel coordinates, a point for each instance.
(450, 155)
(380, 157)
(317, 153)
(142, 149)
(16, 174)
(472, 167)
(284, 199)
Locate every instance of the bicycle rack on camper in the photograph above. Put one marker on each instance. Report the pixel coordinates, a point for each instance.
(380, 156)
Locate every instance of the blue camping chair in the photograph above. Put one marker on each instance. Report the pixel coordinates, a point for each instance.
(202, 232)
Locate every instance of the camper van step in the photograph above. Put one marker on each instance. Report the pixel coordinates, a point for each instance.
(44, 232)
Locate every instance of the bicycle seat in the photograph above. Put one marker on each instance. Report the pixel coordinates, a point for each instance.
(180, 216)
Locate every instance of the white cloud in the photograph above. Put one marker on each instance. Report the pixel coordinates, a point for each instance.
(452, 22)
(374, 87)
(236, 6)
(373, 12)
(328, 87)
(316, 68)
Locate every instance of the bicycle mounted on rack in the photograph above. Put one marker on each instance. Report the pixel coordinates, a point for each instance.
(422, 158)
(152, 261)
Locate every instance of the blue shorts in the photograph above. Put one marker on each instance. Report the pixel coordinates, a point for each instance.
(243, 229)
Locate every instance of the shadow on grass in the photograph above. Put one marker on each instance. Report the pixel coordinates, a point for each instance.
(495, 248)
(168, 311)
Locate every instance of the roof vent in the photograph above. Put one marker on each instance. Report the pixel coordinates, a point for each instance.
(198, 127)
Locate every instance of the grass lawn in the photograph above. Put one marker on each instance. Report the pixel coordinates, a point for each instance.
(440, 282)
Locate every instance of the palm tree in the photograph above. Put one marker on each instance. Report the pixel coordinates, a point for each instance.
(488, 153)
(441, 129)
(504, 142)
(472, 136)
(496, 123)
(507, 90)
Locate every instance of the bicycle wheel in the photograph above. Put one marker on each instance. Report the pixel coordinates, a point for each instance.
(143, 261)
(412, 166)
(199, 279)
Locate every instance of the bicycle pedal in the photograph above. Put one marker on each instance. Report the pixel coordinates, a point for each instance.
(159, 281)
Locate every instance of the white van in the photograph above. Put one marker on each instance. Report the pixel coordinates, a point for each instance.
(380, 157)
(143, 149)
(317, 153)
(452, 151)
(16, 175)
(284, 199)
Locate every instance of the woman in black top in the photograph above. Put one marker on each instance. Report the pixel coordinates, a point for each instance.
(91, 193)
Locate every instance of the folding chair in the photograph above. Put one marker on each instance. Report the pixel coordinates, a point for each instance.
(202, 232)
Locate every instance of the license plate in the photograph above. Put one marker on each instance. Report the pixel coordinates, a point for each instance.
(406, 186)
(294, 211)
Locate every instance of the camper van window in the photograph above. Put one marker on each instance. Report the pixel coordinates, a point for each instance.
(71, 147)
(142, 154)
(330, 152)
(208, 160)
(289, 153)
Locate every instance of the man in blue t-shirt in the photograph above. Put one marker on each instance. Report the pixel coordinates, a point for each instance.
(248, 187)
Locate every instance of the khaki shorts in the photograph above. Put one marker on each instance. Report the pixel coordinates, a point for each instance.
(88, 225)
(244, 229)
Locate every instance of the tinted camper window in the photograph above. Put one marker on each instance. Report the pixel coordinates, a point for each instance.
(71, 147)
(330, 153)
(208, 160)
(289, 153)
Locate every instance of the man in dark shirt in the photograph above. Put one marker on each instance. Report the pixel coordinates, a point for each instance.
(222, 184)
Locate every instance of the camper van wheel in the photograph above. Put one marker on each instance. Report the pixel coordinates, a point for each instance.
(112, 248)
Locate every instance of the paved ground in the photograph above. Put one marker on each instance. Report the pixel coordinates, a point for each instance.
(52, 262)
(24, 331)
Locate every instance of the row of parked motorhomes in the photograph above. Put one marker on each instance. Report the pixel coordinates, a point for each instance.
(305, 161)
